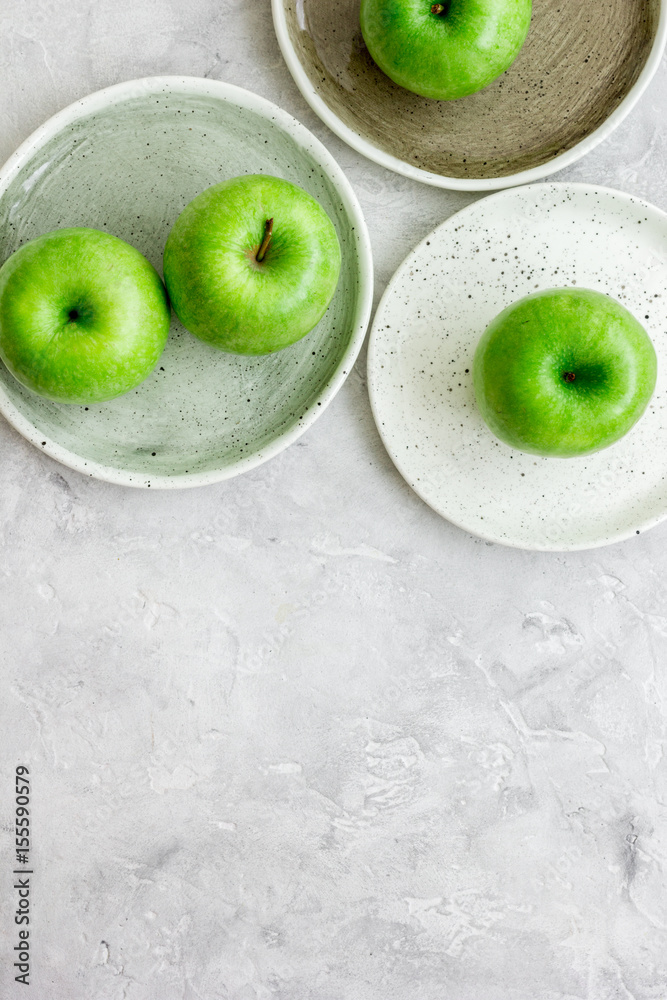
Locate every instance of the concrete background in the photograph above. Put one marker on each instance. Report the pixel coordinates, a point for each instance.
(294, 736)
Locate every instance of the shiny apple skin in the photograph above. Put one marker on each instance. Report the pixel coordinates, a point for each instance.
(564, 372)
(84, 316)
(448, 55)
(222, 293)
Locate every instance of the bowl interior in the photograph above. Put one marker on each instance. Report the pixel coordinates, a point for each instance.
(129, 168)
(578, 63)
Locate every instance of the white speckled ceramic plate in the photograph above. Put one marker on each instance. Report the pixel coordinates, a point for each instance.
(424, 336)
(127, 160)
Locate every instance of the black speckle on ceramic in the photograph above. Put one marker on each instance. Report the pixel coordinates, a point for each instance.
(127, 161)
(423, 340)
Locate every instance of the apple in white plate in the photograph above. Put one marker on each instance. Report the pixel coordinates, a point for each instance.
(84, 316)
(564, 372)
(251, 264)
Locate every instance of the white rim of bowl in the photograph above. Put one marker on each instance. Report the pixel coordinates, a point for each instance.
(621, 536)
(244, 98)
(373, 152)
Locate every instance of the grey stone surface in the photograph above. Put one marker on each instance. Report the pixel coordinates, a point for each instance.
(293, 736)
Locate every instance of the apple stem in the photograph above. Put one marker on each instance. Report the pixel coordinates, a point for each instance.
(569, 376)
(264, 246)
(439, 8)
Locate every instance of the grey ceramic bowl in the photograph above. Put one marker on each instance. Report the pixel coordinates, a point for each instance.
(584, 65)
(127, 160)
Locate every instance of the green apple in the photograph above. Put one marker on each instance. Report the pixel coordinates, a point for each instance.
(563, 372)
(444, 50)
(84, 316)
(251, 264)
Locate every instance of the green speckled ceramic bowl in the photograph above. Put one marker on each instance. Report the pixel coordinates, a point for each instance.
(127, 160)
